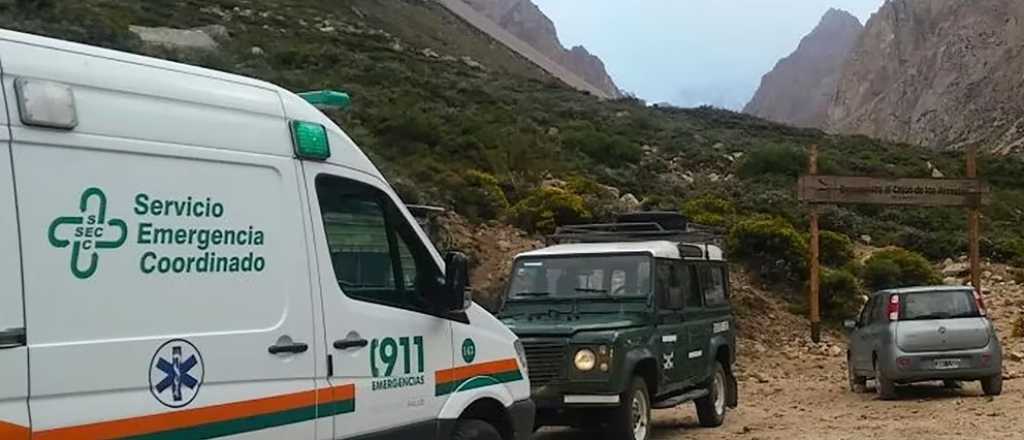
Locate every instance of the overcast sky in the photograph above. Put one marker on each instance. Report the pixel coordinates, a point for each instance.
(692, 52)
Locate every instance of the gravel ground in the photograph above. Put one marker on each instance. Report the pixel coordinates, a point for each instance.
(813, 408)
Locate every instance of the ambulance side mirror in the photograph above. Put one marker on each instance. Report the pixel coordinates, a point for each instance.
(456, 296)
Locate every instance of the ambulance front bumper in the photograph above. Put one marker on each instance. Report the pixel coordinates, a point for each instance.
(522, 414)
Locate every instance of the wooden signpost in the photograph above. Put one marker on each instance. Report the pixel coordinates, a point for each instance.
(970, 193)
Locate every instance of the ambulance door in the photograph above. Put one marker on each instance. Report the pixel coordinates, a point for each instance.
(14, 423)
(375, 268)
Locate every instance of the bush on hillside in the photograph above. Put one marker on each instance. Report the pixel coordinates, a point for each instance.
(1004, 248)
(836, 249)
(774, 160)
(546, 208)
(898, 268)
(840, 294)
(772, 246)
(480, 197)
(608, 149)
(601, 201)
(709, 210)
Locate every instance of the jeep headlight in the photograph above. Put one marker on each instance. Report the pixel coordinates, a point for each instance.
(585, 360)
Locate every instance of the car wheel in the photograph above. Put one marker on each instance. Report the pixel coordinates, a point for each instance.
(632, 419)
(711, 408)
(857, 383)
(884, 386)
(993, 385)
(475, 430)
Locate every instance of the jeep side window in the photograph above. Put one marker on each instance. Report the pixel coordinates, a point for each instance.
(713, 284)
(694, 296)
(369, 242)
(669, 285)
(680, 292)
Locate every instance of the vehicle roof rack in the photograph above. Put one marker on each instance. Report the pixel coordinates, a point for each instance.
(641, 226)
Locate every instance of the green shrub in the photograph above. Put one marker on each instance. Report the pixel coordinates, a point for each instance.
(774, 160)
(836, 249)
(840, 294)
(601, 201)
(611, 150)
(898, 268)
(709, 210)
(772, 246)
(480, 197)
(546, 208)
(1003, 247)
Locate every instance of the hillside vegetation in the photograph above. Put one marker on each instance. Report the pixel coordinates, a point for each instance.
(455, 119)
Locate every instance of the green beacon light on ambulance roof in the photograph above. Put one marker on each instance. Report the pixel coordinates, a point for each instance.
(310, 140)
(327, 99)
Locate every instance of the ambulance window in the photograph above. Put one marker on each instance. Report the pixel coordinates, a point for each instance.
(374, 252)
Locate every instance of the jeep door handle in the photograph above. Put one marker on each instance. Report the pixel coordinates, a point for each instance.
(12, 338)
(345, 344)
(294, 348)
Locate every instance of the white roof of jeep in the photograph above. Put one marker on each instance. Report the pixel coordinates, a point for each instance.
(657, 249)
(179, 86)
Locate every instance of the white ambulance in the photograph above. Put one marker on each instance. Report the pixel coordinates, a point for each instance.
(189, 254)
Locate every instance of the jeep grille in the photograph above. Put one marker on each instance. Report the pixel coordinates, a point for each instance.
(545, 359)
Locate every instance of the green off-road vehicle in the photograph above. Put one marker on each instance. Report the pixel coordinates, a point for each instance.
(617, 319)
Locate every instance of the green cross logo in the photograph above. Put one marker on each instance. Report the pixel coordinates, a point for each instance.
(88, 233)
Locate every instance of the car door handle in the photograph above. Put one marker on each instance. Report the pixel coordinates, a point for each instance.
(12, 337)
(293, 347)
(345, 344)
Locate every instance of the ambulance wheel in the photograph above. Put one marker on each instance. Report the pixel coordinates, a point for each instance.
(475, 430)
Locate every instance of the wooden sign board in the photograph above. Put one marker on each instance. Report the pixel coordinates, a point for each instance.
(875, 191)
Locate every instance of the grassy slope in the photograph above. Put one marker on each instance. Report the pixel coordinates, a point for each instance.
(426, 120)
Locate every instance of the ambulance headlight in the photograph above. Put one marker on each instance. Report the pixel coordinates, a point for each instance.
(585, 360)
(521, 352)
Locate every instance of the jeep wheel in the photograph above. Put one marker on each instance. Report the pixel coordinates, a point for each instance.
(632, 419)
(711, 408)
(475, 430)
(885, 387)
(993, 385)
(857, 383)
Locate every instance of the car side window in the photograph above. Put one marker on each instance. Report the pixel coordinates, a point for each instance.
(865, 313)
(679, 284)
(713, 285)
(694, 295)
(375, 254)
(667, 285)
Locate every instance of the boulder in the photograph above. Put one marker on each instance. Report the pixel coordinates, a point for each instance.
(196, 39)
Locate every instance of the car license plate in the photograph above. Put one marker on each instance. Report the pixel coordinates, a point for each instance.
(946, 364)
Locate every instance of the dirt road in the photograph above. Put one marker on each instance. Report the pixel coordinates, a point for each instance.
(793, 390)
(817, 406)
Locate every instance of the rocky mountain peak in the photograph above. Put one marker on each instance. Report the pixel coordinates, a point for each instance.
(942, 73)
(800, 87)
(526, 21)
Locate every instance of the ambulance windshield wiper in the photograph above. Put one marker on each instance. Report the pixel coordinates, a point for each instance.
(534, 294)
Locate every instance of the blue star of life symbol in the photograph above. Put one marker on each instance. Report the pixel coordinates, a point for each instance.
(176, 373)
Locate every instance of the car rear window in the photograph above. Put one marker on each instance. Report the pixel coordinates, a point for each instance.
(939, 305)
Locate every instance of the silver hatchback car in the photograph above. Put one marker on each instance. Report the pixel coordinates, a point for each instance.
(920, 334)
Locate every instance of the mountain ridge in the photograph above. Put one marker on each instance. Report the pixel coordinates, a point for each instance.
(525, 20)
(800, 88)
(938, 73)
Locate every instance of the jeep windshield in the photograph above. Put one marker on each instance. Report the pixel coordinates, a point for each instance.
(575, 276)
